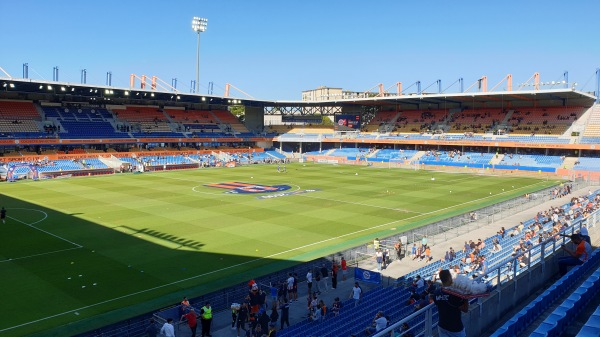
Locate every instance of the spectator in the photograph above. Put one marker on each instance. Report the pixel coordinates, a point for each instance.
(449, 309)
(418, 283)
(325, 275)
(404, 330)
(379, 259)
(285, 314)
(336, 306)
(334, 275)
(191, 321)
(577, 257)
(167, 329)
(379, 323)
(356, 294)
(243, 316)
(309, 281)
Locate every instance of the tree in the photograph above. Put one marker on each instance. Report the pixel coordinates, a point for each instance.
(327, 121)
(238, 111)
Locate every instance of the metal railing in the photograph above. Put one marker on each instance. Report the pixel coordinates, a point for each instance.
(539, 254)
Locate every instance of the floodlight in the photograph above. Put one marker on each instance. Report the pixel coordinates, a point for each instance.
(199, 24)
(63, 89)
(49, 87)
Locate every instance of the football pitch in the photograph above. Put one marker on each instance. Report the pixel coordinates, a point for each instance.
(81, 253)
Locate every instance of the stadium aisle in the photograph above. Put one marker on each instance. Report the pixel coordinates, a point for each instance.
(222, 320)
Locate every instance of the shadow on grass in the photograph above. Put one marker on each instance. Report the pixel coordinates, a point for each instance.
(80, 275)
(181, 242)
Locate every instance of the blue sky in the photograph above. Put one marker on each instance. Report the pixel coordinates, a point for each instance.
(275, 49)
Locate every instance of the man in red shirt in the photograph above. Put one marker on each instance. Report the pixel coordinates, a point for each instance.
(191, 320)
(344, 269)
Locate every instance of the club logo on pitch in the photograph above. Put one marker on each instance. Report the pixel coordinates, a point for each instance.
(245, 188)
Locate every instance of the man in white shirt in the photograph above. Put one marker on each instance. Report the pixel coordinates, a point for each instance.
(379, 323)
(356, 294)
(290, 286)
(167, 329)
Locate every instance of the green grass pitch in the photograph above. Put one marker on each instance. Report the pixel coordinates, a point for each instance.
(77, 254)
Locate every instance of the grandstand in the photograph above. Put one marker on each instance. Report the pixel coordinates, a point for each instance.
(84, 137)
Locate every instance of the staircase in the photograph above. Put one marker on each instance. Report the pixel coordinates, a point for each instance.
(593, 123)
(417, 156)
(497, 159)
(569, 162)
(373, 154)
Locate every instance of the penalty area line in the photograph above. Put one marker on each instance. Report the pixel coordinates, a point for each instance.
(44, 231)
(40, 254)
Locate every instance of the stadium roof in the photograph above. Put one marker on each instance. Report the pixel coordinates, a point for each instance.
(27, 89)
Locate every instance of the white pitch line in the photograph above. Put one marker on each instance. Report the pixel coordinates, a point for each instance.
(247, 262)
(360, 204)
(41, 254)
(41, 230)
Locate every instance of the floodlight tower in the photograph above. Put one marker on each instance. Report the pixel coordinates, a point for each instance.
(198, 25)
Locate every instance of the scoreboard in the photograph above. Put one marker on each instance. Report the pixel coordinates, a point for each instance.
(347, 122)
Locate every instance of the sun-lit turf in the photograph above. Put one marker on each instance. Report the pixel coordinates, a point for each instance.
(91, 251)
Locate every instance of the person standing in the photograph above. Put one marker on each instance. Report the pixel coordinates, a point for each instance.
(449, 309)
(398, 249)
(285, 314)
(324, 276)
(191, 320)
(356, 294)
(344, 269)
(379, 259)
(317, 277)
(167, 329)
(295, 292)
(309, 281)
(242, 318)
(206, 319)
(334, 273)
(3, 215)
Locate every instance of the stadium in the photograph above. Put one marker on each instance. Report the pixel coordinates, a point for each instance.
(120, 201)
